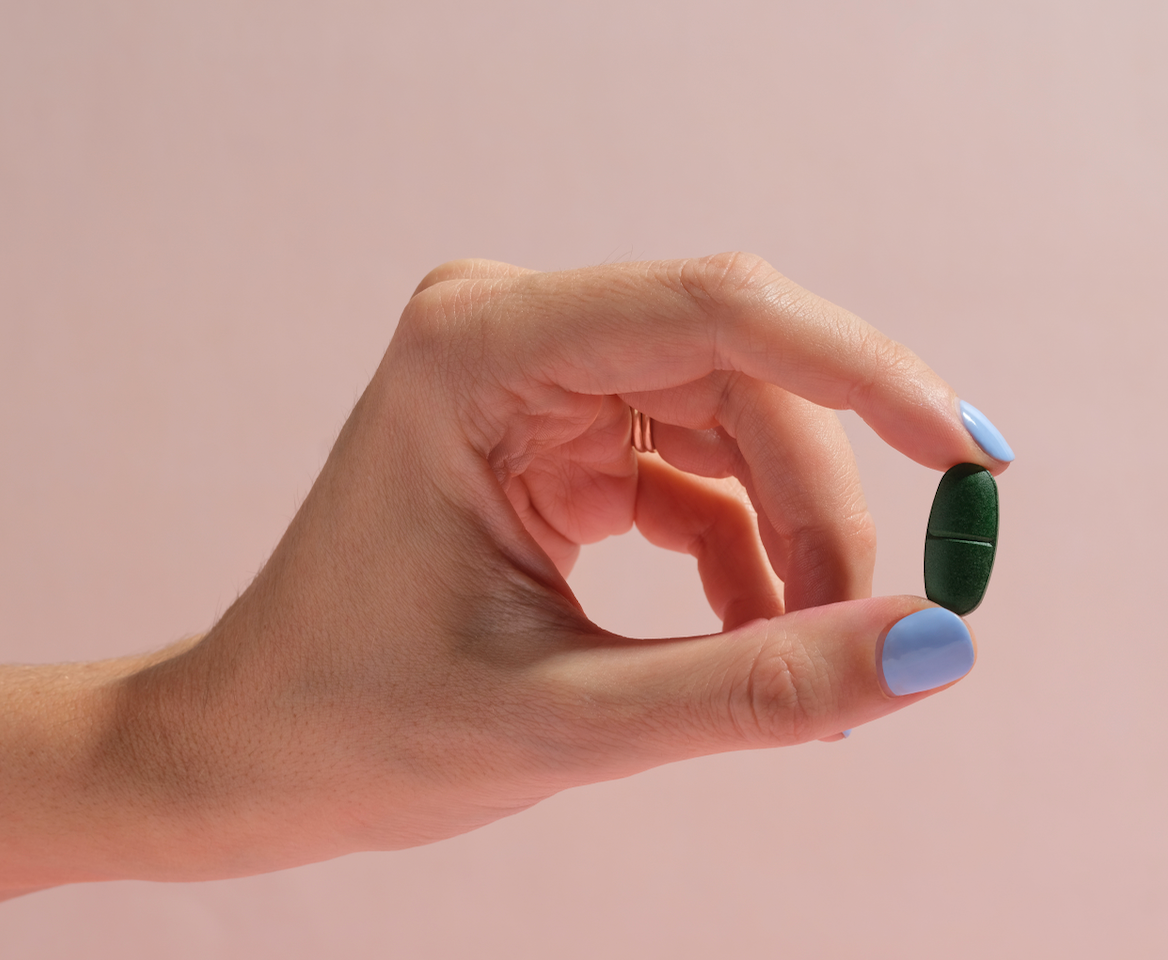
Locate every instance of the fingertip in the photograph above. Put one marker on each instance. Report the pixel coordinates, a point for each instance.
(923, 651)
(988, 437)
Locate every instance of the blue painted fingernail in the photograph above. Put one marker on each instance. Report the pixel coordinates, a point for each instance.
(924, 650)
(984, 433)
(847, 733)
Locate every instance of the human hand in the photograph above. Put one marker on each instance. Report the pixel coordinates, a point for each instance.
(411, 663)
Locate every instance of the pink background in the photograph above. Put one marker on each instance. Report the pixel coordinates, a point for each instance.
(211, 215)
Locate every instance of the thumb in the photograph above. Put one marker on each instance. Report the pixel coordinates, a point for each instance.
(787, 680)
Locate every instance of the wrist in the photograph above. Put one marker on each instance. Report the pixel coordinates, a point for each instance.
(77, 803)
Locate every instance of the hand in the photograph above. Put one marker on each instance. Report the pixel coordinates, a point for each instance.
(411, 664)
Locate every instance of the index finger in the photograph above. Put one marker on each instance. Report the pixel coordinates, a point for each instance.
(635, 327)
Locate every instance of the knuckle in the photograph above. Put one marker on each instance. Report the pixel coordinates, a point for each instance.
(850, 530)
(427, 318)
(435, 341)
(731, 288)
(778, 696)
(860, 533)
(728, 278)
(450, 270)
(440, 313)
(829, 559)
(886, 360)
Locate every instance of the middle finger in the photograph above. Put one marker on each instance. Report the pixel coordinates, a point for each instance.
(795, 461)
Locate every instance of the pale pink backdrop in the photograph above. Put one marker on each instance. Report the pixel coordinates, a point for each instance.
(211, 214)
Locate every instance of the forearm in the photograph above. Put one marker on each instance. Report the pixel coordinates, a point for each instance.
(70, 809)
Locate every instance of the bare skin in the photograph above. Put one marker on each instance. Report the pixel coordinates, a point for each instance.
(411, 663)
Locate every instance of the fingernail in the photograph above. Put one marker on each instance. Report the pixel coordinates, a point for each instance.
(924, 650)
(847, 733)
(984, 433)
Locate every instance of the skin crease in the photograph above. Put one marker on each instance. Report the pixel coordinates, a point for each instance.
(411, 664)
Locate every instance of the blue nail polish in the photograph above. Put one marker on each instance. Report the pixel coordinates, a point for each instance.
(984, 433)
(847, 733)
(924, 650)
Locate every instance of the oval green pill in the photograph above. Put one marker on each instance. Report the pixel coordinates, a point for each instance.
(962, 538)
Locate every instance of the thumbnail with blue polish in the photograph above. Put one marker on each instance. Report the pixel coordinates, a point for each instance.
(926, 649)
(984, 433)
